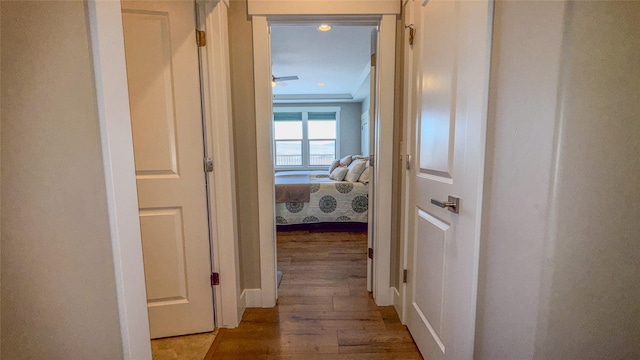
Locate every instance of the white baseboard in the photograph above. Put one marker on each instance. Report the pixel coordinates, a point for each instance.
(392, 295)
(397, 304)
(252, 298)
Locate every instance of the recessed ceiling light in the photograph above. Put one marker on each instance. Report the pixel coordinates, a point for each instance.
(324, 27)
(320, 84)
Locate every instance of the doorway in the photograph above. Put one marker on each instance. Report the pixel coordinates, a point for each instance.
(321, 90)
(167, 128)
(105, 21)
(383, 122)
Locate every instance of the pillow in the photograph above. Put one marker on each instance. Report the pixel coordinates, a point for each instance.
(338, 173)
(359, 157)
(355, 170)
(334, 165)
(366, 176)
(345, 161)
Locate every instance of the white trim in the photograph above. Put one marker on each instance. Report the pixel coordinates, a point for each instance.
(323, 7)
(222, 197)
(393, 292)
(242, 304)
(408, 141)
(385, 99)
(107, 45)
(397, 301)
(252, 297)
(264, 156)
(264, 146)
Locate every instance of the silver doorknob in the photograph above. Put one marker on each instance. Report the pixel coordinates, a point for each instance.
(453, 204)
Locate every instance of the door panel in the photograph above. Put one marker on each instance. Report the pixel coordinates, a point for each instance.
(430, 271)
(163, 248)
(151, 90)
(166, 120)
(438, 67)
(451, 60)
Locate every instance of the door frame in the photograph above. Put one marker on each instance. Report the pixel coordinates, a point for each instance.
(384, 11)
(107, 47)
(407, 150)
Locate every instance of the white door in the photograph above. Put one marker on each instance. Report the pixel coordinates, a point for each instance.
(164, 91)
(372, 141)
(453, 45)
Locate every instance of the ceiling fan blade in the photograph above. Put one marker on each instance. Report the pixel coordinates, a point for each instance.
(284, 78)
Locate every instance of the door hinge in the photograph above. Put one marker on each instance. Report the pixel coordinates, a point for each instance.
(201, 38)
(405, 275)
(208, 164)
(215, 279)
(372, 160)
(407, 163)
(371, 253)
(373, 59)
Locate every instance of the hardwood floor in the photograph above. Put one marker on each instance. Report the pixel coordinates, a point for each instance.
(324, 310)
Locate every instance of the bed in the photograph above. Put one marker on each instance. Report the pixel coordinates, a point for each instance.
(329, 201)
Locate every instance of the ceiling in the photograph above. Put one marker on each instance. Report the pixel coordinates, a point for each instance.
(338, 58)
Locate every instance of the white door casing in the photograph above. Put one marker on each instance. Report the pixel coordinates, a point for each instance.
(452, 67)
(166, 117)
(215, 70)
(383, 11)
(406, 149)
(371, 141)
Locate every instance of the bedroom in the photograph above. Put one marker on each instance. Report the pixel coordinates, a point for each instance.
(321, 101)
(320, 112)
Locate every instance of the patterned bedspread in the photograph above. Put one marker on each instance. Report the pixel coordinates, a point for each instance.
(330, 201)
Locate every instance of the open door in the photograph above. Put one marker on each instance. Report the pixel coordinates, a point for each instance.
(371, 142)
(164, 92)
(453, 73)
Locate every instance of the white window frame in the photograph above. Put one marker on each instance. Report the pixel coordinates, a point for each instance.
(305, 136)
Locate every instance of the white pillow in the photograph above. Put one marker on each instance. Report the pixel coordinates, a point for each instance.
(345, 161)
(334, 165)
(366, 176)
(338, 173)
(355, 170)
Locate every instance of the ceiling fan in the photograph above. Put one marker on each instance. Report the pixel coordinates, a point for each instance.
(276, 79)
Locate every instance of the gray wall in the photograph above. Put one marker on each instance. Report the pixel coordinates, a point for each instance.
(366, 102)
(560, 253)
(244, 128)
(593, 297)
(398, 168)
(349, 125)
(58, 287)
(521, 122)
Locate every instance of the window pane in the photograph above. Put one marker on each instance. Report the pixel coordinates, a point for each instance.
(322, 152)
(322, 129)
(288, 130)
(288, 153)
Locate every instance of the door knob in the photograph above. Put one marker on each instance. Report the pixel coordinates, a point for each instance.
(452, 204)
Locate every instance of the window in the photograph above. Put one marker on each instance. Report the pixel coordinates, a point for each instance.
(305, 137)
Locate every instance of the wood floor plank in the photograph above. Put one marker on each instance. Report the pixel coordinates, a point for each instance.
(324, 310)
(375, 341)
